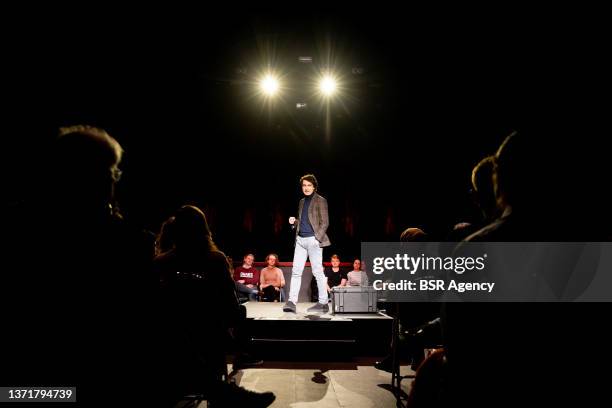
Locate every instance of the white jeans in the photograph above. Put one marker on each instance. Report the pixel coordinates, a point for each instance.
(307, 248)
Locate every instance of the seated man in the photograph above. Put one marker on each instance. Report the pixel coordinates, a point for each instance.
(335, 277)
(272, 280)
(247, 278)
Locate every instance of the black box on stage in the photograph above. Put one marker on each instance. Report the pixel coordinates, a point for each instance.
(354, 299)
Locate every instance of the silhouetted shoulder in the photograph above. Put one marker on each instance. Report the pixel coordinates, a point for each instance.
(165, 257)
(219, 261)
(218, 256)
(486, 233)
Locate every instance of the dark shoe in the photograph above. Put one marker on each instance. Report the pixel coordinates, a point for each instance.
(318, 308)
(246, 361)
(232, 395)
(385, 365)
(290, 307)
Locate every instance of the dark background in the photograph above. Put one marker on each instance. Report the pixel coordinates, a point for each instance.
(438, 93)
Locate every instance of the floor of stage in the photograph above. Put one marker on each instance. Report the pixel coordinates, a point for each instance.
(274, 311)
(322, 385)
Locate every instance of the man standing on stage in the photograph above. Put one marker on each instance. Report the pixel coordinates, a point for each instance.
(310, 238)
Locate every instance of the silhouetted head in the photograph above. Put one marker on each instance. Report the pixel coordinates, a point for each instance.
(526, 173)
(413, 235)
(84, 167)
(165, 238)
(542, 175)
(482, 187)
(190, 229)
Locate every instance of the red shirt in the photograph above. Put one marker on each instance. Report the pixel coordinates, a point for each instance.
(250, 275)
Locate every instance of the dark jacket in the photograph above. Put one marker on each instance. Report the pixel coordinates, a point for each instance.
(319, 219)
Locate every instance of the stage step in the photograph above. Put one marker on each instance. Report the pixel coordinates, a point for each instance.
(301, 336)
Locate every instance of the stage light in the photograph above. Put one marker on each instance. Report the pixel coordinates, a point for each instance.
(327, 85)
(269, 85)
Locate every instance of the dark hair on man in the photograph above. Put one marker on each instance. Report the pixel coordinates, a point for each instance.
(311, 178)
(334, 256)
(249, 254)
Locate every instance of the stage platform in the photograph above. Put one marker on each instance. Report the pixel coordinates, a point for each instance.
(273, 331)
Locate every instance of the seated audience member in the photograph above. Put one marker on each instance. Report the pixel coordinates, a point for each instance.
(527, 188)
(539, 183)
(483, 196)
(197, 279)
(335, 277)
(247, 278)
(74, 256)
(272, 280)
(357, 277)
(418, 321)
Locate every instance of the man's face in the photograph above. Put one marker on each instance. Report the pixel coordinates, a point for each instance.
(248, 260)
(271, 260)
(307, 187)
(335, 262)
(357, 265)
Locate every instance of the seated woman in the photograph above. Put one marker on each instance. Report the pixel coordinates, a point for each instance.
(196, 281)
(357, 277)
(272, 280)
